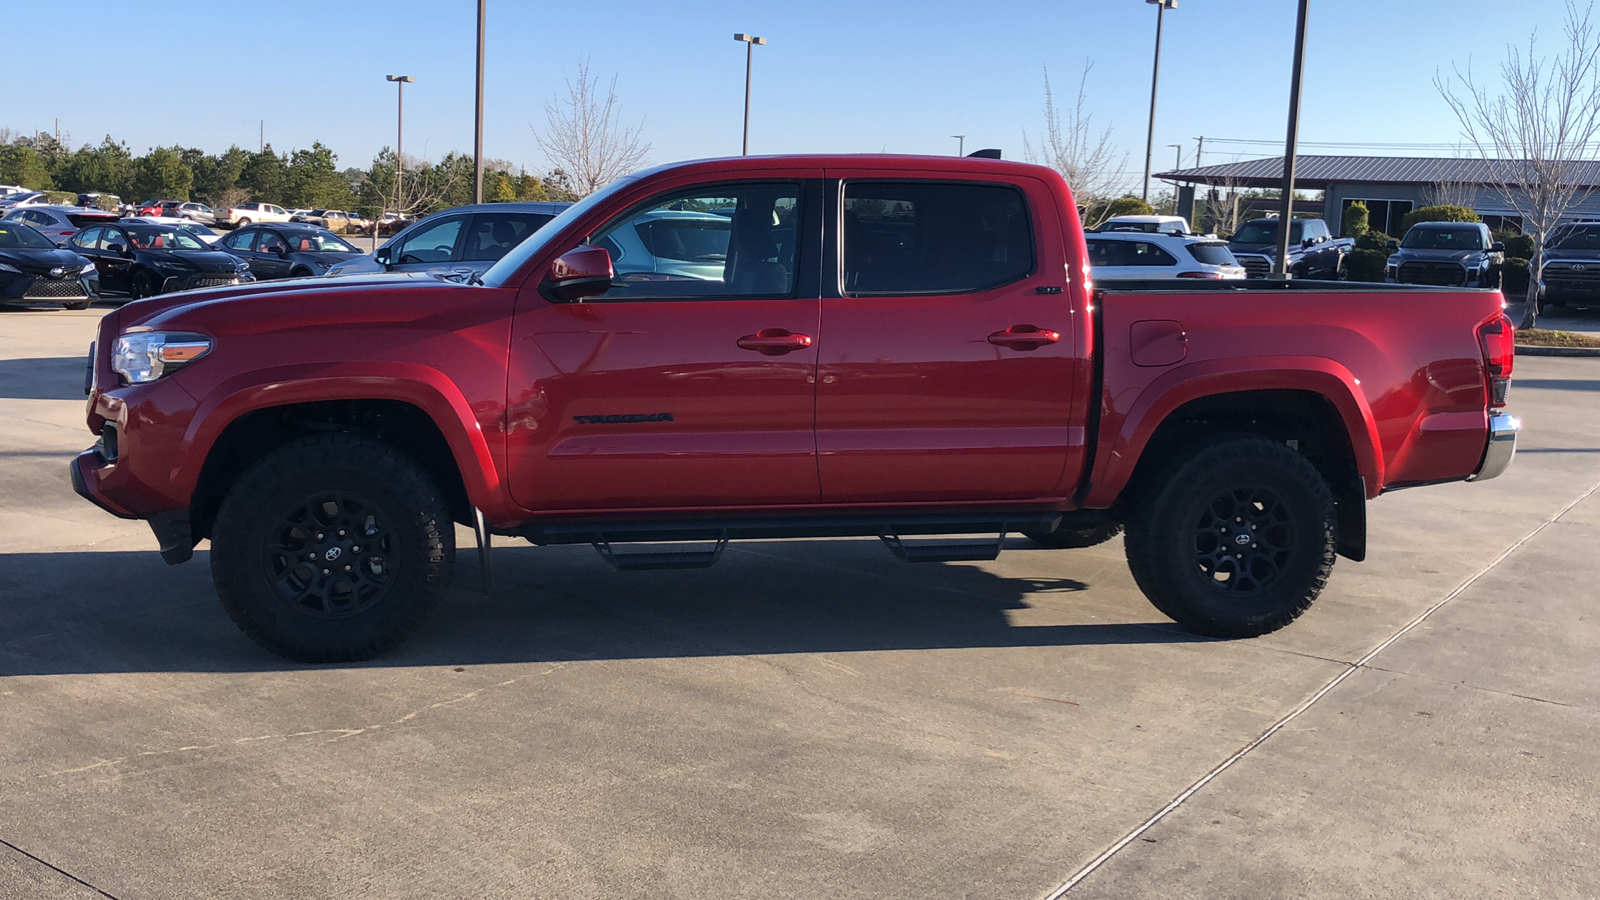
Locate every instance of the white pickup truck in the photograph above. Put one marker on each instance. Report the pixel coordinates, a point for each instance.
(246, 213)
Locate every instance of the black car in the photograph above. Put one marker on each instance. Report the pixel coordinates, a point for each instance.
(290, 250)
(32, 269)
(145, 260)
(1446, 253)
(1572, 266)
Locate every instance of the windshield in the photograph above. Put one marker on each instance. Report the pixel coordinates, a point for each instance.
(164, 239)
(1467, 237)
(15, 235)
(1576, 237)
(318, 242)
(1265, 231)
(508, 264)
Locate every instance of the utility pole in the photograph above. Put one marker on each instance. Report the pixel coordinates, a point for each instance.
(750, 42)
(1199, 145)
(58, 131)
(1179, 148)
(1280, 264)
(477, 139)
(1155, 75)
(261, 142)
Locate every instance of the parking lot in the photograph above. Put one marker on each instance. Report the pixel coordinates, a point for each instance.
(813, 718)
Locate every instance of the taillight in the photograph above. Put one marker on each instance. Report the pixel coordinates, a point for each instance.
(1215, 276)
(1497, 338)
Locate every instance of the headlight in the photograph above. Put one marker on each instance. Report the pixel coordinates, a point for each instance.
(144, 356)
(88, 268)
(7, 267)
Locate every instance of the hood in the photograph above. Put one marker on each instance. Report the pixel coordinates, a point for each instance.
(1242, 247)
(1415, 253)
(149, 308)
(40, 262)
(193, 260)
(1557, 254)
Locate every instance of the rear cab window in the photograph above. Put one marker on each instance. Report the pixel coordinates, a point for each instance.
(933, 237)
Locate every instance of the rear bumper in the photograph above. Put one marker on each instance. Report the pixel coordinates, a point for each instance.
(1502, 446)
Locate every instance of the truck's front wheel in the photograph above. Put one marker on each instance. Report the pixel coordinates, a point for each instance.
(1236, 540)
(332, 548)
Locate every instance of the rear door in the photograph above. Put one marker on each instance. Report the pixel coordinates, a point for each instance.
(947, 367)
(690, 383)
(491, 235)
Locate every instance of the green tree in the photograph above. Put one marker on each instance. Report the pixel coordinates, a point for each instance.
(531, 188)
(108, 168)
(265, 176)
(21, 164)
(162, 174)
(314, 179)
(1355, 219)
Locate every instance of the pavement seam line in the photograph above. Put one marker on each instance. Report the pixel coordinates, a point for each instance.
(57, 869)
(1351, 668)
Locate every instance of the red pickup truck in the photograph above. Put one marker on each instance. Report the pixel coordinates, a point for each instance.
(906, 347)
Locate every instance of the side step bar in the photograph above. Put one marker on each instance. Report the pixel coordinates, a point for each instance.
(943, 550)
(641, 560)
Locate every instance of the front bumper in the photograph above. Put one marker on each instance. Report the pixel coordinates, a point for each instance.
(1502, 446)
(43, 288)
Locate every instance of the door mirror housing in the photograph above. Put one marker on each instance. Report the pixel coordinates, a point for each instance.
(119, 249)
(584, 271)
(1308, 242)
(384, 256)
(1394, 245)
(1497, 247)
(281, 249)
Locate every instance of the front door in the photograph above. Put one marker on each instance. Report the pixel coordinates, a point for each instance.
(691, 383)
(270, 256)
(948, 360)
(114, 259)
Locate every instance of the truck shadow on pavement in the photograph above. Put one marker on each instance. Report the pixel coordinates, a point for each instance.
(87, 612)
(43, 378)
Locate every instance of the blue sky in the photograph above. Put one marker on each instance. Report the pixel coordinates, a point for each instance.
(837, 76)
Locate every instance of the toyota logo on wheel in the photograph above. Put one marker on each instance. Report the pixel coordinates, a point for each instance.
(332, 554)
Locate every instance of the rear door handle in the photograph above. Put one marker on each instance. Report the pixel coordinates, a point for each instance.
(1024, 337)
(774, 341)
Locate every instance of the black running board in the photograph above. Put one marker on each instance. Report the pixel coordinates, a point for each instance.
(944, 549)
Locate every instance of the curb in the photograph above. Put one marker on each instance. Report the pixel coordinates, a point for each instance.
(1530, 350)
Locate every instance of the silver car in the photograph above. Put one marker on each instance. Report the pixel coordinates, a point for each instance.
(58, 223)
(669, 244)
(466, 237)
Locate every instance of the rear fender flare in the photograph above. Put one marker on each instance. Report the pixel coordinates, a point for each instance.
(1118, 454)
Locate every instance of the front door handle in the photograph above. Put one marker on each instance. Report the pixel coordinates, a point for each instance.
(1024, 337)
(774, 341)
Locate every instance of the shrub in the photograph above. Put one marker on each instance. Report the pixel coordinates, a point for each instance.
(1122, 206)
(61, 198)
(1438, 214)
(1374, 240)
(1516, 244)
(1365, 265)
(1514, 278)
(1355, 219)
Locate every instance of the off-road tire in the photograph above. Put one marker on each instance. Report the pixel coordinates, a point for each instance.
(415, 548)
(1072, 538)
(1175, 509)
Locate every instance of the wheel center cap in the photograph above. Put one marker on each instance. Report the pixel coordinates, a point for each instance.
(1241, 539)
(332, 554)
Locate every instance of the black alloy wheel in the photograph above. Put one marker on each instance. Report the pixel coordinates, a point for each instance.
(1234, 538)
(143, 285)
(330, 556)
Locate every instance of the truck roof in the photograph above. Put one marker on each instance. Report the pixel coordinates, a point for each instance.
(885, 161)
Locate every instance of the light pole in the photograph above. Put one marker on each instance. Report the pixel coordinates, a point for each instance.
(1155, 73)
(1280, 264)
(1179, 148)
(961, 148)
(400, 82)
(750, 42)
(477, 130)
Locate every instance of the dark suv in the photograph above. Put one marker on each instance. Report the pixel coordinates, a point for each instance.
(1459, 254)
(1572, 266)
(467, 237)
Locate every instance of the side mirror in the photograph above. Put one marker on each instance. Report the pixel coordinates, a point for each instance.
(118, 249)
(1309, 242)
(583, 271)
(1497, 247)
(384, 256)
(1393, 245)
(281, 249)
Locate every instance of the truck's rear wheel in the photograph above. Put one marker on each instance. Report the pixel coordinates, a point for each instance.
(1068, 537)
(1234, 541)
(332, 548)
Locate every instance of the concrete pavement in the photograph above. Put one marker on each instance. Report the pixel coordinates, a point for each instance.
(810, 718)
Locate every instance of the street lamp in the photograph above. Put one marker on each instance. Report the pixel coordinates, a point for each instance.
(1155, 72)
(400, 82)
(477, 129)
(1280, 263)
(750, 41)
(1179, 148)
(961, 148)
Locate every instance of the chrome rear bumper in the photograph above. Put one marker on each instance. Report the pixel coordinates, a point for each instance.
(1503, 428)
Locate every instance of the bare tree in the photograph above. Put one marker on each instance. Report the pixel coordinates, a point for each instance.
(585, 138)
(1085, 157)
(1535, 131)
(1224, 208)
(1449, 193)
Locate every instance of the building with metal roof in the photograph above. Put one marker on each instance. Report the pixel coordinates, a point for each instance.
(1391, 186)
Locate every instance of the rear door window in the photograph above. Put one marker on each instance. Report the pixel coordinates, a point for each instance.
(1141, 253)
(239, 240)
(85, 240)
(1104, 254)
(493, 234)
(1212, 254)
(933, 237)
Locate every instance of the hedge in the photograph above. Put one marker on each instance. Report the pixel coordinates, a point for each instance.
(1374, 240)
(1438, 214)
(1355, 220)
(1514, 278)
(1365, 265)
